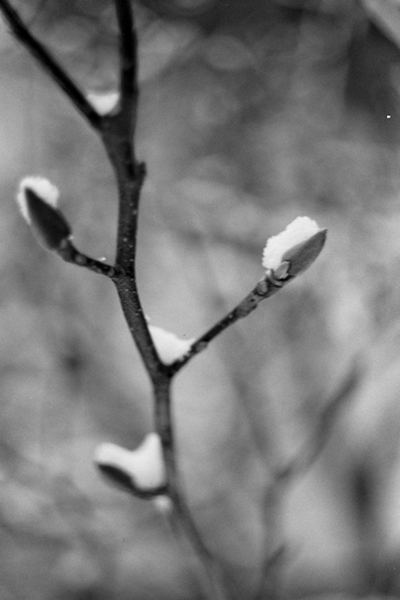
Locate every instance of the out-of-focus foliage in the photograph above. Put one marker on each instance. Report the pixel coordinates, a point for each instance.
(251, 114)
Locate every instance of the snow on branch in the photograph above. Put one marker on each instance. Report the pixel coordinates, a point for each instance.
(168, 345)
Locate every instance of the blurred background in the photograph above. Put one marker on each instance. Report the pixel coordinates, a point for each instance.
(251, 114)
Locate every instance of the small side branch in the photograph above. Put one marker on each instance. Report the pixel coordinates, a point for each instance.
(292, 259)
(265, 288)
(49, 64)
(326, 421)
(68, 252)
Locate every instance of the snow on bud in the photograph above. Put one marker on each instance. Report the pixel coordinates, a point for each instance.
(168, 345)
(103, 103)
(295, 248)
(140, 471)
(42, 188)
(163, 504)
(37, 199)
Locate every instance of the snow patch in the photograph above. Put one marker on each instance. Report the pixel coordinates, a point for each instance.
(296, 232)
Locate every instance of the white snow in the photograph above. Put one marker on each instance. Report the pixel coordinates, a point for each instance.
(296, 232)
(145, 465)
(168, 345)
(42, 187)
(104, 102)
(163, 504)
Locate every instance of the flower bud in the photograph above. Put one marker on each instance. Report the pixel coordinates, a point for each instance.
(301, 256)
(140, 472)
(294, 249)
(37, 199)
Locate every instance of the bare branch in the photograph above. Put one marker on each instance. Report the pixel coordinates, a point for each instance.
(136, 321)
(49, 64)
(294, 261)
(211, 575)
(118, 140)
(327, 419)
(68, 252)
(129, 188)
(265, 288)
(117, 137)
(128, 63)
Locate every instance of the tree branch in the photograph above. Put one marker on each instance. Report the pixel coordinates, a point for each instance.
(320, 436)
(293, 261)
(211, 576)
(128, 63)
(265, 288)
(118, 133)
(130, 177)
(68, 252)
(117, 137)
(136, 321)
(49, 64)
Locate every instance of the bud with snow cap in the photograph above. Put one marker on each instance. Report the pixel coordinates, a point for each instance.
(293, 250)
(37, 199)
(140, 472)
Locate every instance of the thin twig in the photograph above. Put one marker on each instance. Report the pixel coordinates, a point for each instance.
(130, 181)
(324, 427)
(303, 461)
(68, 252)
(293, 262)
(265, 288)
(50, 64)
(129, 91)
(117, 136)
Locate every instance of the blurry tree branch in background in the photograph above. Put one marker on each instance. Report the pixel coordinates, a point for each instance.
(325, 424)
(386, 14)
